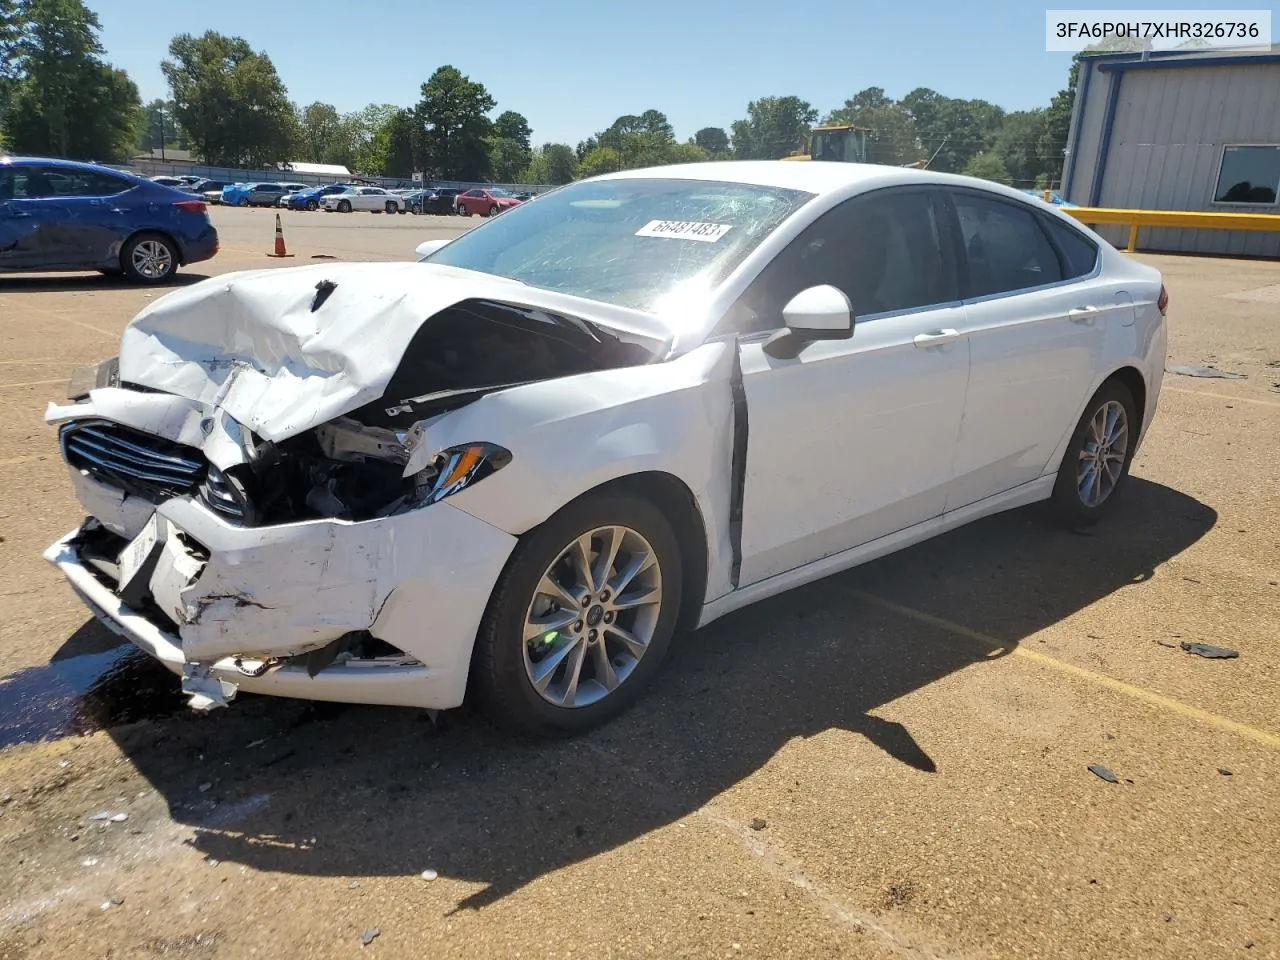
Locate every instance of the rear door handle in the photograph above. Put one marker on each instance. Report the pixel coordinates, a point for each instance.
(936, 338)
(1085, 315)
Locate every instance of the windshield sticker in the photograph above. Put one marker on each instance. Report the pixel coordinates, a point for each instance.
(685, 230)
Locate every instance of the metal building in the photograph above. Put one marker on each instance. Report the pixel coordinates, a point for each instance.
(1179, 130)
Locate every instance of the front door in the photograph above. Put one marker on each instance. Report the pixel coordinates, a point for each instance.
(852, 440)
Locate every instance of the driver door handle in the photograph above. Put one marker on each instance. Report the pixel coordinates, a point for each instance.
(1085, 315)
(936, 338)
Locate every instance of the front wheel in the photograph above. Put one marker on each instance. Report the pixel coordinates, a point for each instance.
(312, 205)
(1095, 466)
(581, 618)
(391, 206)
(344, 206)
(493, 211)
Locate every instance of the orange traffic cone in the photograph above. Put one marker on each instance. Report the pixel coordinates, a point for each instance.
(280, 251)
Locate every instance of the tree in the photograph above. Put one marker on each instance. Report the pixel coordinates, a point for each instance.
(774, 127)
(319, 127)
(987, 165)
(598, 161)
(230, 100)
(360, 131)
(552, 163)
(891, 133)
(10, 33)
(62, 98)
(455, 125)
(714, 142)
(1019, 144)
(951, 131)
(509, 151)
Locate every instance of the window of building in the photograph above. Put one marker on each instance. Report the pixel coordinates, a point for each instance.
(1249, 174)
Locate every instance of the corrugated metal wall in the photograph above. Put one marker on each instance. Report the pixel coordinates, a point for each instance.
(1166, 143)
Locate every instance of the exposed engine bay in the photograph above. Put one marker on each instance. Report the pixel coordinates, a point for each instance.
(354, 466)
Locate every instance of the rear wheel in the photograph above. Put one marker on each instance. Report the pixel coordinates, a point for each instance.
(149, 258)
(1095, 466)
(391, 206)
(581, 618)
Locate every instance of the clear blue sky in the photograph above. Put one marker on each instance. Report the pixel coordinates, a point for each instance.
(572, 66)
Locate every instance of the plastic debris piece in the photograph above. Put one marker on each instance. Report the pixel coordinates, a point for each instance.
(369, 936)
(101, 815)
(1225, 772)
(429, 875)
(120, 818)
(1209, 651)
(1098, 770)
(1187, 371)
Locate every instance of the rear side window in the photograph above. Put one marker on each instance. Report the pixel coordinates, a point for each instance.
(37, 183)
(1079, 253)
(1004, 247)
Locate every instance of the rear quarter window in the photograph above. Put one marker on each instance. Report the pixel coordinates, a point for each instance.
(1079, 253)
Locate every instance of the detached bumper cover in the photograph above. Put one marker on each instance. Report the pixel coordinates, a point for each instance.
(419, 581)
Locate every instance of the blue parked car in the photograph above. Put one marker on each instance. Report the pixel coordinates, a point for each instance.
(310, 199)
(64, 215)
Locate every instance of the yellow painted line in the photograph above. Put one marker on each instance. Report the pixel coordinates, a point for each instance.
(1221, 396)
(32, 383)
(1264, 737)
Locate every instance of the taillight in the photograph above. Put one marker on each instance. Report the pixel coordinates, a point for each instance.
(1163, 303)
(191, 206)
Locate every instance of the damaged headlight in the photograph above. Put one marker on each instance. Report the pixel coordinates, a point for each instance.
(224, 494)
(459, 467)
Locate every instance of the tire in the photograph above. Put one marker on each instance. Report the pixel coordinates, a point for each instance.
(242, 202)
(502, 663)
(312, 205)
(493, 210)
(391, 206)
(1075, 494)
(464, 210)
(149, 258)
(344, 206)
(416, 209)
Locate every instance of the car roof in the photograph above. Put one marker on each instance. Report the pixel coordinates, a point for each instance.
(67, 164)
(812, 176)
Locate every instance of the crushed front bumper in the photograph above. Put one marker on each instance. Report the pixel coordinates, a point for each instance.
(214, 594)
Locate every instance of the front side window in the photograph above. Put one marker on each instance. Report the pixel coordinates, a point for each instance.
(883, 250)
(1249, 175)
(648, 244)
(1004, 246)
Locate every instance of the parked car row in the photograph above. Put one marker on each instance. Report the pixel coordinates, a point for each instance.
(348, 197)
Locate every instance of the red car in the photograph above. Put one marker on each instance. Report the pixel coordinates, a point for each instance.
(486, 201)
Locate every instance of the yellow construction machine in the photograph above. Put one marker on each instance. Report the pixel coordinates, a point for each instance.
(838, 142)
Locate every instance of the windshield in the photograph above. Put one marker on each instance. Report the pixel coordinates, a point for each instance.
(497, 192)
(631, 243)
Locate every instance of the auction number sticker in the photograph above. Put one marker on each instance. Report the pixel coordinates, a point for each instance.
(685, 230)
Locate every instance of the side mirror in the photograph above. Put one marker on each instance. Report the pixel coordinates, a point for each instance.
(424, 250)
(818, 313)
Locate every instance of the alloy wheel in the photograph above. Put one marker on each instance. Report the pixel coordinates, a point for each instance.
(152, 259)
(1102, 457)
(592, 617)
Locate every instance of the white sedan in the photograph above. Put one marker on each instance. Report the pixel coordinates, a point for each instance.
(372, 199)
(521, 465)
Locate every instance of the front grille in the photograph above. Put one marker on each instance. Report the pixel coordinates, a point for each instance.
(138, 462)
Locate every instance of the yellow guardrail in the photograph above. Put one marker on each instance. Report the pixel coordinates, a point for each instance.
(1184, 219)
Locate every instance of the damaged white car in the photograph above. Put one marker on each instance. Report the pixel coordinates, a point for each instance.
(518, 466)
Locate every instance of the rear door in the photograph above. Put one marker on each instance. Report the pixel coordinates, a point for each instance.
(1036, 314)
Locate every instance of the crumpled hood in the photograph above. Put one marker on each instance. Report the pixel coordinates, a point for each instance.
(251, 344)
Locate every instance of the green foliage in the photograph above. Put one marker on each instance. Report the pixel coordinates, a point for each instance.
(553, 163)
(774, 128)
(509, 151)
(453, 112)
(951, 131)
(891, 133)
(714, 143)
(320, 135)
(600, 160)
(988, 166)
(161, 128)
(231, 101)
(58, 96)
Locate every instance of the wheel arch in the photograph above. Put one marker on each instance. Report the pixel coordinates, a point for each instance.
(1132, 379)
(679, 504)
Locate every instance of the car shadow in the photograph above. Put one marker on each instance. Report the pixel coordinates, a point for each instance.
(350, 791)
(85, 282)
